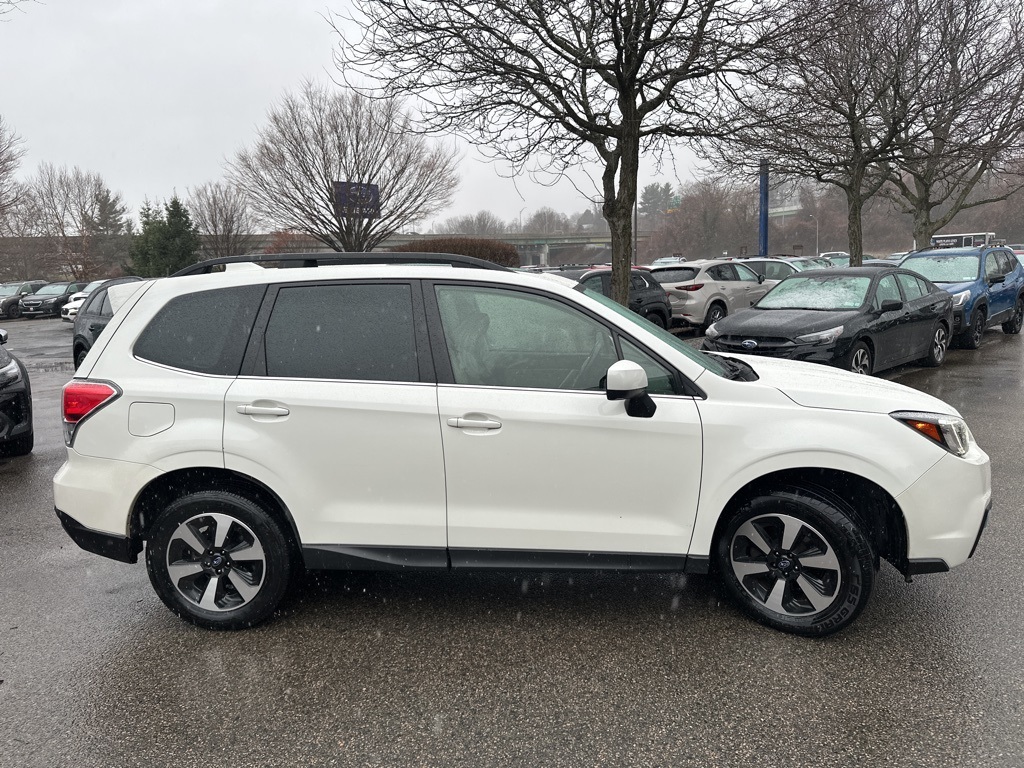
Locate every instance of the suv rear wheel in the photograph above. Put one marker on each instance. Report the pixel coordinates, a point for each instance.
(796, 562)
(1016, 321)
(218, 560)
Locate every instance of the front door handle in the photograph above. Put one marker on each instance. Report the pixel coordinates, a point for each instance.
(463, 423)
(262, 410)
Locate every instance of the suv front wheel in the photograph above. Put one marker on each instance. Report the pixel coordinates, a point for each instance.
(218, 560)
(796, 562)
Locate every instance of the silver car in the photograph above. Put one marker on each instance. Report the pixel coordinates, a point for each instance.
(702, 292)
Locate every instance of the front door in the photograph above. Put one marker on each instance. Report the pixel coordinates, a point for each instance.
(540, 466)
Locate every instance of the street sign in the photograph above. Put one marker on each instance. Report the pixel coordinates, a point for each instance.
(356, 201)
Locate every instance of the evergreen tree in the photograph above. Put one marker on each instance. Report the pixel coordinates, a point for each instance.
(168, 241)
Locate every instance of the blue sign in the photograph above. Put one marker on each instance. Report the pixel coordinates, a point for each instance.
(356, 201)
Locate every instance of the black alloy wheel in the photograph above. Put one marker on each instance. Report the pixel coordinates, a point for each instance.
(657, 319)
(971, 338)
(937, 348)
(14, 311)
(219, 560)
(860, 359)
(797, 561)
(1016, 321)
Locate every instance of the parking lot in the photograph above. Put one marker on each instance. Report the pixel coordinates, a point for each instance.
(502, 669)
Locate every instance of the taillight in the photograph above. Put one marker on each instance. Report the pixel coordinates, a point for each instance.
(690, 287)
(82, 398)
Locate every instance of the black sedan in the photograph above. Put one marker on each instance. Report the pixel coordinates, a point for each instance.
(863, 319)
(16, 436)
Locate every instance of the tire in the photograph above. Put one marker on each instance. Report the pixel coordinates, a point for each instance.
(796, 561)
(658, 320)
(715, 313)
(235, 584)
(19, 446)
(80, 357)
(971, 338)
(860, 360)
(1016, 322)
(938, 346)
(14, 312)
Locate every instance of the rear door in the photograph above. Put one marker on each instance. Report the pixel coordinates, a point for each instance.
(924, 310)
(336, 411)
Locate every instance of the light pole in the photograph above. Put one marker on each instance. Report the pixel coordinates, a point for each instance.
(817, 246)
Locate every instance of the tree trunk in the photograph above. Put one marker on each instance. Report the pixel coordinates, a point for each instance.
(855, 225)
(618, 209)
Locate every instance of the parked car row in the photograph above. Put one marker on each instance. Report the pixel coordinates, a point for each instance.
(881, 315)
(35, 298)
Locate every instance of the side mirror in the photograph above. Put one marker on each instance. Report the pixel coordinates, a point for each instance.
(3, 337)
(997, 279)
(890, 305)
(760, 279)
(627, 381)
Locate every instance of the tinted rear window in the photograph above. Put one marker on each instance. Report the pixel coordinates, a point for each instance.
(681, 274)
(205, 332)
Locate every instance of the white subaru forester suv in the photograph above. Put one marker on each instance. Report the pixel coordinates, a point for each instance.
(245, 423)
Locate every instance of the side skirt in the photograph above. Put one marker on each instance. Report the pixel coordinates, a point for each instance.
(369, 558)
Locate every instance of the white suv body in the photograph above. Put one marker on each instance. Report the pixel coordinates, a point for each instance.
(373, 416)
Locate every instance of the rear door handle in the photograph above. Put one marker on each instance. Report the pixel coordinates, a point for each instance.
(462, 423)
(262, 410)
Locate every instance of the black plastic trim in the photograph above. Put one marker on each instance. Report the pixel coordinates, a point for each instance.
(981, 529)
(926, 565)
(121, 548)
(699, 564)
(339, 557)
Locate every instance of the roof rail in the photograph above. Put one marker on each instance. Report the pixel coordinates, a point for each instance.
(325, 258)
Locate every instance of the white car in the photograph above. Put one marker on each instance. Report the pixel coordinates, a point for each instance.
(69, 311)
(241, 424)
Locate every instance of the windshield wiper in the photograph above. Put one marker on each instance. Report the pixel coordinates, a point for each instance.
(738, 371)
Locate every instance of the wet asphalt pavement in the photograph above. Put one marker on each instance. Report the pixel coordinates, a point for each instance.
(496, 669)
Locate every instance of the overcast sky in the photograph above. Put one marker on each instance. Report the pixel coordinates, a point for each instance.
(155, 94)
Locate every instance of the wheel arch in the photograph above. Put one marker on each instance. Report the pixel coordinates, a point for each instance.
(876, 510)
(160, 491)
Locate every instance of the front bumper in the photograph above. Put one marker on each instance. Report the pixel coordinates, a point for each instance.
(40, 311)
(946, 511)
(121, 548)
(958, 320)
(15, 412)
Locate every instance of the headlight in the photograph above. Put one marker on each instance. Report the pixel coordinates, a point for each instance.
(49, 301)
(950, 432)
(959, 299)
(10, 374)
(822, 337)
(712, 332)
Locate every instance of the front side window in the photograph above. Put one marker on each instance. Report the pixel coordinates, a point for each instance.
(744, 273)
(887, 290)
(362, 332)
(504, 338)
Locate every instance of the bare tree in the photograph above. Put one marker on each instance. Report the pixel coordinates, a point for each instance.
(82, 218)
(11, 152)
(224, 218)
(832, 111)
(318, 137)
(481, 223)
(573, 81)
(969, 122)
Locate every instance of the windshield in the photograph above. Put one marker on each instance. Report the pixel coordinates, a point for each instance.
(9, 289)
(93, 285)
(52, 289)
(817, 291)
(945, 269)
(705, 361)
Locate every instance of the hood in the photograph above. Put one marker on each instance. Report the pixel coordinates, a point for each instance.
(782, 322)
(821, 386)
(954, 288)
